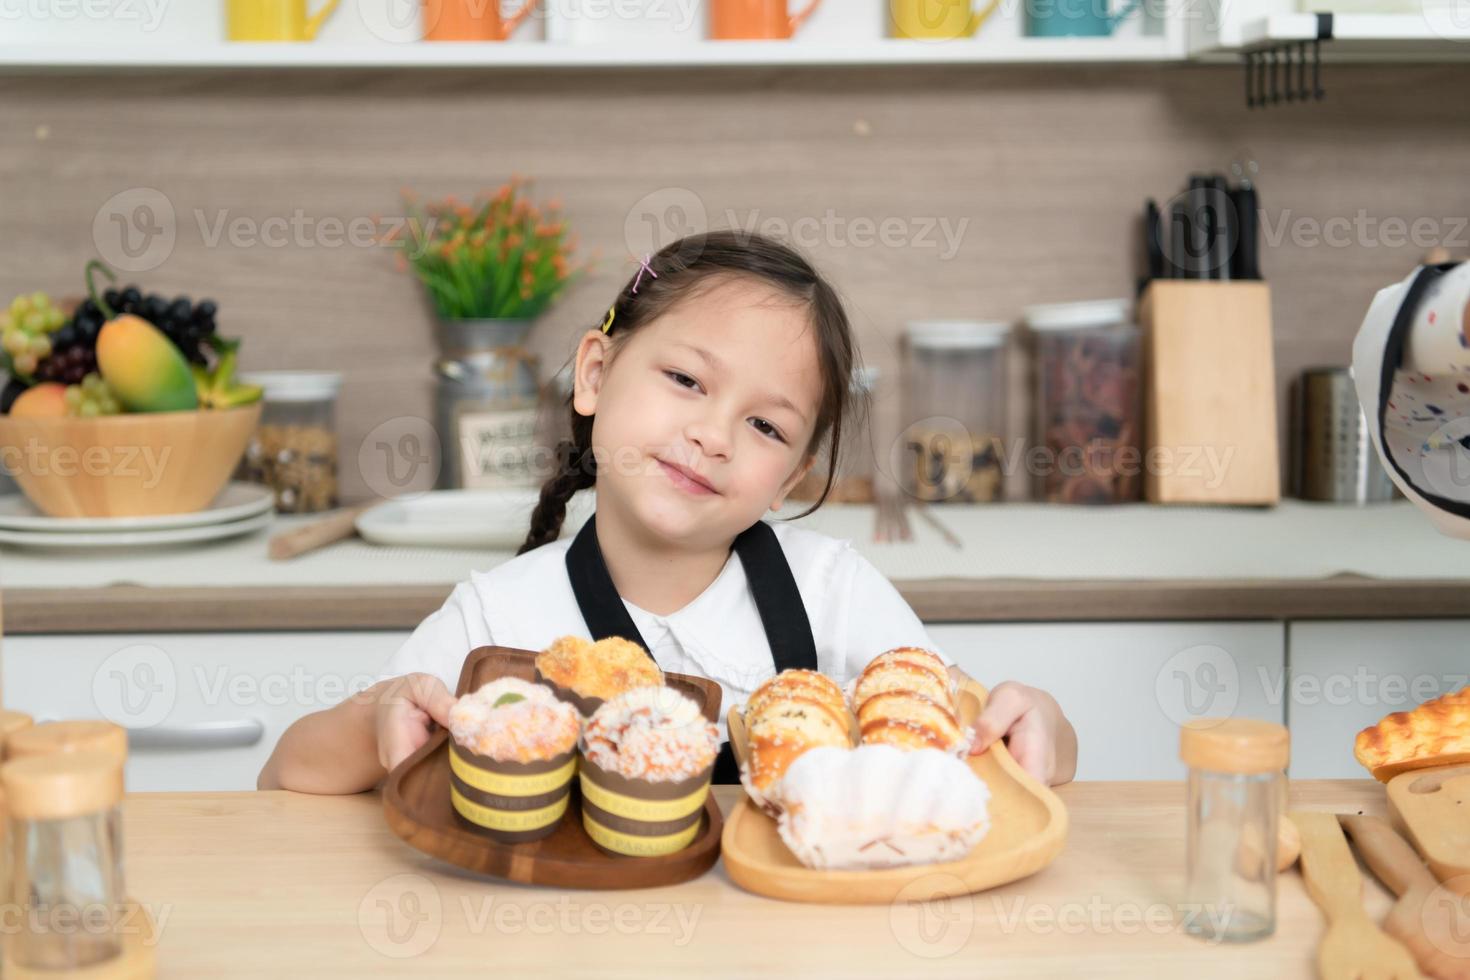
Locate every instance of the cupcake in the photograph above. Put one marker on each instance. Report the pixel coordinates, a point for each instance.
(646, 761)
(586, 674)
(512, 758)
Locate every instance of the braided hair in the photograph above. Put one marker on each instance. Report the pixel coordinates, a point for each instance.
(678, 270)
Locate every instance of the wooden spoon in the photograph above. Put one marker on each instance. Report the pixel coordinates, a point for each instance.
(1432, 922)
(1353, 948)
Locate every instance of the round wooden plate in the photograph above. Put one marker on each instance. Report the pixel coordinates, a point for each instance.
(416, 803)
(1028, 830)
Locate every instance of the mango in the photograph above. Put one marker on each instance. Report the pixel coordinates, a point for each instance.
(44, 401)
(143, 367)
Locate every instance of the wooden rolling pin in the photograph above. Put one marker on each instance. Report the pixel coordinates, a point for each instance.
(338, 526)
(1432, 922)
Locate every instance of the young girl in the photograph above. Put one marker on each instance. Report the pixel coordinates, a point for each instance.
(701, 401)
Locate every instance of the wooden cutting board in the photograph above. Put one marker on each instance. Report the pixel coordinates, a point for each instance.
(416, 804)
(1028, 830)
(1433, 807)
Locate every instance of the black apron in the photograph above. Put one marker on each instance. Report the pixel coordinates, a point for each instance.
(771, 584)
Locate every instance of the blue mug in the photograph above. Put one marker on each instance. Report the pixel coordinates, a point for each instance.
(1074, 18)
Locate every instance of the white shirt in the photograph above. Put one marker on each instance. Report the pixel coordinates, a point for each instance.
(526, 603)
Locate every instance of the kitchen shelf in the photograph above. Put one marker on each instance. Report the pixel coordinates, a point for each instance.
(1366, 37)
(1054, 51)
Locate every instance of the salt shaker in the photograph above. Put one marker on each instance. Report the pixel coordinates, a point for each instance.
(1236, 786)
(65, 835)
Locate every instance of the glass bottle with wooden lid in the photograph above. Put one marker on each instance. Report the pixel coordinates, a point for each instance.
(64, 830)
(1237, 787)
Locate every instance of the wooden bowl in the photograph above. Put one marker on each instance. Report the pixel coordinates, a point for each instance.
(130, 465)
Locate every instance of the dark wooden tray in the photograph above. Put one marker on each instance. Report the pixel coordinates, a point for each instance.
(416, 803)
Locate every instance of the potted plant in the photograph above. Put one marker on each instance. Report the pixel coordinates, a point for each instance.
(489, 268)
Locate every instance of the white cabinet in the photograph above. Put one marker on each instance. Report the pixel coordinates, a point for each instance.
(203, 711)
(1346, 676)
(1127, 686)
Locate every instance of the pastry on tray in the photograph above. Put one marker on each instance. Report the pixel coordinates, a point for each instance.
(905, 698)
(880, 807)
(586, 674)
(512, 756)
(647, 757)
(1437, 733)
(791, 713)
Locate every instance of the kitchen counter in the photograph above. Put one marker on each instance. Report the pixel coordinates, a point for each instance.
(252, 885)
(1017, 563)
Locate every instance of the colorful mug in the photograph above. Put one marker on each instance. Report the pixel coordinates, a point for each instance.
(1074, 18)
(275, 20)
(741, 20)
(471, 20)
(939, 20)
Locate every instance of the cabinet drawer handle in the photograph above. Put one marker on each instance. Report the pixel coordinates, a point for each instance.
(201, 735)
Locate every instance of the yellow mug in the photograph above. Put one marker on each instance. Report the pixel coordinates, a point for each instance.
(275, 20)
(938, 20)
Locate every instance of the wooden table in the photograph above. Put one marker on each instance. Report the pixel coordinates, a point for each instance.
(279, 885)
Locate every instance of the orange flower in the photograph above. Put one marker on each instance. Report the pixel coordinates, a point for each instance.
(554, 204)
(503, 194)
(400, 262)
(513, 240)
(559, 264)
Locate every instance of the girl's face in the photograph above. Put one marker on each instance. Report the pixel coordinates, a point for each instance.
(704, 415)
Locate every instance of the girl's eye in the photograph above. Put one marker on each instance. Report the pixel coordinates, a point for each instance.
(773, 432)
(680, 377)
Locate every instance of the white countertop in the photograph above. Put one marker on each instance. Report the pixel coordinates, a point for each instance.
(1295, 541)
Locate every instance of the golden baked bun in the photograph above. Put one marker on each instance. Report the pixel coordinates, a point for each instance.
(600, 670)
(901, 675)
(909, 721)
(787, 715)
(912, 655)
(1437, 733)
(797, 683)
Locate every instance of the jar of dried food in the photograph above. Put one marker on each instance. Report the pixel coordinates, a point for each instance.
(954, 411)
(294, 451)
(1089, 413)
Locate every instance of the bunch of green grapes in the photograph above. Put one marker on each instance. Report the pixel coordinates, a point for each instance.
(26, 329)
(91, 398)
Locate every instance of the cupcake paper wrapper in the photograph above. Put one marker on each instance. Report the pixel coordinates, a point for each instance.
(587, 706)
(510, 801)
(639, 817)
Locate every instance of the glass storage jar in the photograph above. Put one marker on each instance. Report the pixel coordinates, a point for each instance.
(1237, 787)
(1089, 408)
(952, 446)
(64, 836)
(294, 450)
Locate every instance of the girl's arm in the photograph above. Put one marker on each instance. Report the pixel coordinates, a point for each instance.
(351, 747)
(1037, 733)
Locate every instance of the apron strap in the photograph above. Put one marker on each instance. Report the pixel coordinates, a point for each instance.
(1393, 360)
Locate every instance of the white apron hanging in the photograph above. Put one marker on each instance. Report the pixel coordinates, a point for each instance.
(1411, 365)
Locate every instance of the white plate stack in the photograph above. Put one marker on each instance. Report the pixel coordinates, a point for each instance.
(241, 508)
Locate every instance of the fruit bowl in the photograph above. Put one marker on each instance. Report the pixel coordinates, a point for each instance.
(131, 465)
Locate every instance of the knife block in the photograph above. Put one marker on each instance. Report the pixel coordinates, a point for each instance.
(1209, 394)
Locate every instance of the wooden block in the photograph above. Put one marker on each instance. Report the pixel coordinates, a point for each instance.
(1210, 394)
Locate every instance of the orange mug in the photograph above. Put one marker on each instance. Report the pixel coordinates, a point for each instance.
(744, 20)
(471, 20)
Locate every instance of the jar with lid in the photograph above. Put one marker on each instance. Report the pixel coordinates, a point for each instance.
(486, 409)
(294, 450)
(553, 422)
(952, 446)
(1089, 410)
(1237, 792)
(64, 837)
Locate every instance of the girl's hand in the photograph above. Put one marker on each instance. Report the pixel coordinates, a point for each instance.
(1036, 732)
(408, 708)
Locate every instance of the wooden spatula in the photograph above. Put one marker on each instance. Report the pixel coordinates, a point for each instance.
(1433, 923)
(1353, 948)
(1434, 807)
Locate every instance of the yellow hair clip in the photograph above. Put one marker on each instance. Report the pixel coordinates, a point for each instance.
(611, 312)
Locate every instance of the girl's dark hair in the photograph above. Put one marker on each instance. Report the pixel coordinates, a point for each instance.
(683, 267)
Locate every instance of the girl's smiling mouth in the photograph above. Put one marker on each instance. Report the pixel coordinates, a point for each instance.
(686, 479)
